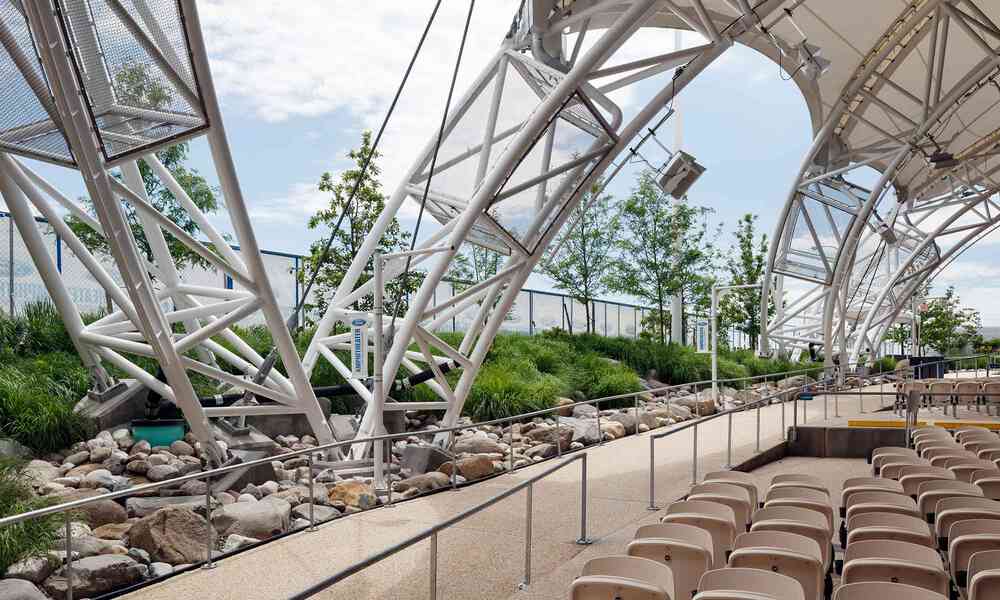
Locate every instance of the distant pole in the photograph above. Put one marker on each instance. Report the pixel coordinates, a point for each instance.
(676, 309)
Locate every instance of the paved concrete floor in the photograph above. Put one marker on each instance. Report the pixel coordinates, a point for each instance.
(483, 556)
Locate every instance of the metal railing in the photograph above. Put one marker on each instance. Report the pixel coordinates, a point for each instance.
(784, 395)
(432, 532)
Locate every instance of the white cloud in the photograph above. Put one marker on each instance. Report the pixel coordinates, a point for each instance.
(294, 207)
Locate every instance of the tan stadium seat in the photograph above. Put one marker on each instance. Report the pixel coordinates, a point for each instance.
(913, 386)
(988, 480)
(962, 508)
(790, 554)
(802, 497)
(737, 584)
(911, 476)
(941, 394)
(896, 562)
(924, 444)
(931, 492)
(604, 587)
(964, 469)
(686, 549)
(965, 538)
(928, 430)
(991, 396)
(969, 433)
(863, 502)
(744, 480)
(881, 461)
(969, 392)
(889, 526)
(984, 576)
(950, 449)
(942, 460)
(866, 484)
(799, 480)
(717, 519)
(975, 445)
(891, 470)
(733, 496)
(990, 454)
(881, 590)
(802, 521)
(631, 568)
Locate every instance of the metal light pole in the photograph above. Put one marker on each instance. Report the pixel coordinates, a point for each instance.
(718, 291)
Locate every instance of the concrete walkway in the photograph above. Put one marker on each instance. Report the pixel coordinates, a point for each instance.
(483, 557)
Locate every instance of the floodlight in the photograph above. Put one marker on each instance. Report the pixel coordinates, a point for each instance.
(943, 160)
(811, 61)
(681, 173)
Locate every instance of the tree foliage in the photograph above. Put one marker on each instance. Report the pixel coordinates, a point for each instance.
(745, 265)
(586, 255)
(665, 247)
(359, 219)
(946, 326)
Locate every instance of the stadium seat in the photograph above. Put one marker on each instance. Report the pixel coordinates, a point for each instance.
(988, 480)
(624, 569)
(911, 476)
(964, 468)
(889, 526)
(984, 576)
(748, 584)
(891, 469)
(953, 510)
(976, 445)
(969, 433)
(802, 521)
(802, 497)
(733, 496)
(881, 590)
(965, 538)
(790, 554)
(929, 493)
(686, 549)
(950, 449)
(604, 587)
(744, 480)
(866, 484)
(895, 562)
(717, 519)
(991, 396)
(941, 394)
(799, 480)
(969, 392)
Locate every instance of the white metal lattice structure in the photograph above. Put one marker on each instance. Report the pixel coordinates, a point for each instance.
(98, 85)
(911, 95)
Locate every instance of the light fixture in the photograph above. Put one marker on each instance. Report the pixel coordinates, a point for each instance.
(680, 174)
(812, 64)
(943, 160)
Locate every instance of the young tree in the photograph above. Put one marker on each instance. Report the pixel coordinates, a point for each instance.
(665, 248)
(745, 265)
(359, 219)
(475, 263)
(899, 334)
(581, 265)
(136, 87)
(947, 326)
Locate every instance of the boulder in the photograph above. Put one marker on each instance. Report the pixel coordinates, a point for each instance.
(237, 541)
(139, 466)
(563, 436)
(260, 520)
(476, 466)
(83, 470)
(585, 410)
(162, 472)
(88, 545)
(542, 451)
(584, 430)
(100, 453)
(174, 534)
(19, 589)
(181, 448)
(96, 575)
(160, 569)
(140, 447)
(40, 472)
(476, 444)
(112, 531)
(353, 493)
(701, 404)
(566, 407)
(141, 507)
(612, 429)
(321, 513)
(424, 483)
(35, 569)
(795, 381)
(423, 459)
(104, 512)
(79, 458)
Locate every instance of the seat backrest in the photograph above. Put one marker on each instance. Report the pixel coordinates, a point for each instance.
(886, 519)
(791, 513)
(602, 587)
(721, 489)
(711, 509)
(756, 581)
(687, 559)
(966, 432)
(893, 550)
(974, 526)
(976, 445)
(744, 480)
(891, 468)
(890, 450)
(968, 388)
(632, 567)
(886, 498)
(799, 480)
(803, 493)
(883, 590)
(933, 452)
(990, 472)
(677, 531)
(984, 561)
(991, 454)
(781, 540)
(977, 502)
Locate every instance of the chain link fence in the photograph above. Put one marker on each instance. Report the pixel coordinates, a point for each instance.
(533, 312)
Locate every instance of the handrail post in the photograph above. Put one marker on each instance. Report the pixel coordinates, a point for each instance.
(388, 477)
(209, 538)
(694, 455)
(434, 566)
(600, 434)
(636, 414)
(69, 557)
(527, 538)
(729, 441)
(826, 398)
(312, 495)
(757, 447)
(583, 540)
(652, 474)
(510, 437)
(784, 429)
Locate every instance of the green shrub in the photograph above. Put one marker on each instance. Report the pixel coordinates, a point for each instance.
(36, 403)
(28, 538)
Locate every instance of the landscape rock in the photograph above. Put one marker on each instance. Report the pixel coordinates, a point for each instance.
(260, 520)
(139, 555)
(19, 589)
(476, 466)
(236, 541)
(552, 435)
(40, 472)
(112, 531)
(585, 410)
(542, 451)
(162, 472)
(353, 493)
(174, 535)
(140, 447)
(96, 575)
(138, 466)
(182, 448)
(612, 429)
(584, 430)
(321, 513)
(160, 569)
(35, 569)
(423, 483)
(476, 444)
(100, 453)
(141, 507)
(423, 458)
(566, 407)
(79, 458)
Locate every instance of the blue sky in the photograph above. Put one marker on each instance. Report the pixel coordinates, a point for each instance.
(299, 80)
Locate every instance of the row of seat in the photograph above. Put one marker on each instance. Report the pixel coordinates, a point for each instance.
(722, 543)
(944, 393)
